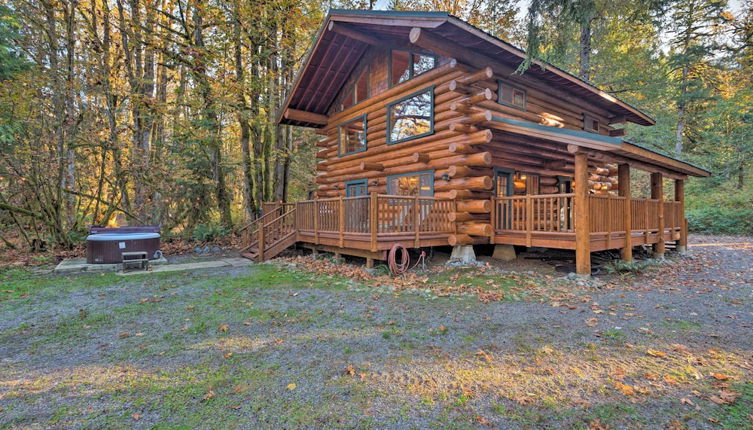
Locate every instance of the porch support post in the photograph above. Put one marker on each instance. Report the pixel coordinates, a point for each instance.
(623, 189)
(582, 221)
(682, 243)
(657, 193)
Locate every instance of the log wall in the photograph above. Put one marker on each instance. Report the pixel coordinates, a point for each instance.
(461, 152)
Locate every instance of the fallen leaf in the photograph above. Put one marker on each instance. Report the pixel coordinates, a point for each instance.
(208, 395)
(655, 353)
(136, 417)
(350, 370)
(592, 322)
(227, 354)
(224, 328)
(687, 401)
(291, 386)
(190, 307)
(625, 388)
(721, 376)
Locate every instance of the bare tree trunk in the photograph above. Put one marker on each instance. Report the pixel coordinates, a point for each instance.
(681, 111)
(585, 48)
(249, 203)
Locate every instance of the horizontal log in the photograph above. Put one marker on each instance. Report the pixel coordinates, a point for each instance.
(371, 166)
(303, 116)
(474, 206)
(475, 229)
(465, 216)
(459, 239)
(480, 183)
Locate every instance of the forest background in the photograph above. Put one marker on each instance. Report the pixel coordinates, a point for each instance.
(162, 111)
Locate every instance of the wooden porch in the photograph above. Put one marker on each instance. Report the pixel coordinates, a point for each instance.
(369, 225)
(548, 221)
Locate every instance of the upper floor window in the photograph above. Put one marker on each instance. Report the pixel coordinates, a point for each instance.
(352, 136)
(358, 91)
(411, 117)
(511, 95)
(405, 65)
(590, 123)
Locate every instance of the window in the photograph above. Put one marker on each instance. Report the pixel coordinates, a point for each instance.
(590, 123)
(411, 117)
(510, 95)
(525, 184)
(502, 182)
(405, 65)
(352, 136)
(356, 188)
(411, 184)
(358, 91)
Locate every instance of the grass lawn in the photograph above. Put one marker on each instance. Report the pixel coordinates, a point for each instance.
(274, 347)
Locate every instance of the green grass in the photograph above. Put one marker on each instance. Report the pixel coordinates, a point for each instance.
(681, 325)
(738, 415)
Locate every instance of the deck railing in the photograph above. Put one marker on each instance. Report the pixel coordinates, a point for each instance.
(374, 216)
(552, 216)
(543, 213)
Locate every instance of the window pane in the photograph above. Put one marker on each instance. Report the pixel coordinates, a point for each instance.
(362, 87)
(518, 97)
(411, 117)
(422, 63)
(348, 100)
(411, 185)
(400, 67)
(353, 136)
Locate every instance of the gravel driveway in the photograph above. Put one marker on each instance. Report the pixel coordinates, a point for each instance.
(277, 347)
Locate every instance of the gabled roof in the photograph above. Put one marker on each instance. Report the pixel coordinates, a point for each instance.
(333, 56)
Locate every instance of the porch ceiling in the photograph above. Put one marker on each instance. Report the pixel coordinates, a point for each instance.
(602, 147)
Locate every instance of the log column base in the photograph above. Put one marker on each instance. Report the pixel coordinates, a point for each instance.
(463, 254)
(682, 248)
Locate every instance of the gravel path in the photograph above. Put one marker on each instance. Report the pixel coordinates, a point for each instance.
(271, 347)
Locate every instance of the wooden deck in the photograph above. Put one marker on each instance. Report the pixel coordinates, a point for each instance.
(370, 225)
(549, 221)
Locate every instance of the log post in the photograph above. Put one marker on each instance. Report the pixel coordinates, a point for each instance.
(261, 241)
(582, 221)
(373, 221)
(341, 221)
(657, 193)
(682, 244)
(623, 189)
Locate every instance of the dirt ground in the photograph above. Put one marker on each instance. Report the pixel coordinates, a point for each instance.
(281, 346)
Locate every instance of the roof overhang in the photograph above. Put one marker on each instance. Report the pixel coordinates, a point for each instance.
(604, 147)
(346, 35)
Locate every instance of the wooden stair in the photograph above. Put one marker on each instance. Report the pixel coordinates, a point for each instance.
(274, 232)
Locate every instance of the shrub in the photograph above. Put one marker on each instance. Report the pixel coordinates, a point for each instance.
(721, 220)
(209, 232)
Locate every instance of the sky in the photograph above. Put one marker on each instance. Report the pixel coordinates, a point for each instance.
(734, 5)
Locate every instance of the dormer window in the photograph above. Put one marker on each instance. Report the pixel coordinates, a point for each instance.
(590, 123)
(510, 95)
(405, 65)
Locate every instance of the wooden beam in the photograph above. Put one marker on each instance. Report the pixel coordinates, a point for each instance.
(618, 132)
(303, 116)
(352, 33)
(623, 189)
(657, 192)
(682, 243)
(582, 221)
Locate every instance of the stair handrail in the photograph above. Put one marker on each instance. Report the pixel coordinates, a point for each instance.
(277, 219)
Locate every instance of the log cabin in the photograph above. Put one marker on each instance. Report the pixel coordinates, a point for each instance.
(429, 137)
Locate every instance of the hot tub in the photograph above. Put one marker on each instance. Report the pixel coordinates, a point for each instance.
(106, 245)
